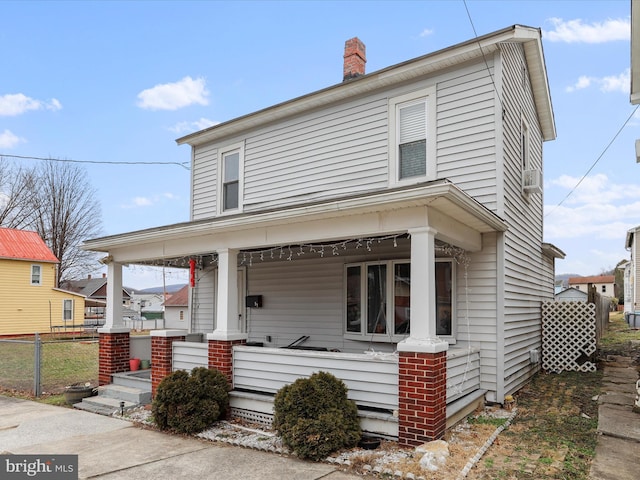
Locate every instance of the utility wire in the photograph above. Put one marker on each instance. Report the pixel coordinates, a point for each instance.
(486, 63)
(24, 157)
(597, 160)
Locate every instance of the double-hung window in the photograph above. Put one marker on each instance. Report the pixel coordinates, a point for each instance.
(378, 300)
(412, 137)
(36, 275)
(231, 167)
(67, 310)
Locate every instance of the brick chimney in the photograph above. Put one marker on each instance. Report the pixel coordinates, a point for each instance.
(354, 59)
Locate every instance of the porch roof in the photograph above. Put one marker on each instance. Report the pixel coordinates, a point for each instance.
(443, 203)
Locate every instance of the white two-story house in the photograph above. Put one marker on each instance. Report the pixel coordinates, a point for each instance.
(387, 229)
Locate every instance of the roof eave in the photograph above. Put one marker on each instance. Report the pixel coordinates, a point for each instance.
(553, 251)
(397, 74)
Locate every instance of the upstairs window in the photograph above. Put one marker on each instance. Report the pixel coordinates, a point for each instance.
(36, 275)
(412, 139)
(230, 173)
(412, 156)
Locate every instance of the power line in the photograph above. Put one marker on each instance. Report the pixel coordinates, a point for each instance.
(68, 160)
(596, 162)
(486, 63)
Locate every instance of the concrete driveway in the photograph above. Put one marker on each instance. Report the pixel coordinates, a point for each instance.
(109, 448)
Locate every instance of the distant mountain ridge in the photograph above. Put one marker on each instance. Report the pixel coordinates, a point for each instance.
(168, 288)
(563, 279)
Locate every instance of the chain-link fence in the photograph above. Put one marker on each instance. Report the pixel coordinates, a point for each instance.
(44, 364)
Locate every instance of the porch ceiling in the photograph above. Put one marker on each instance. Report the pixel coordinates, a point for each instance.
(457, 217)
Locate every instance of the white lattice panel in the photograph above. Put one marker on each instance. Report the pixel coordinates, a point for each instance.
(568, 336)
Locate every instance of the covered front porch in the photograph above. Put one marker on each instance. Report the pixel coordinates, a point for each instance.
(357, 277)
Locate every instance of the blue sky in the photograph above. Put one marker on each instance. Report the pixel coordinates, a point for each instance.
(120, 81)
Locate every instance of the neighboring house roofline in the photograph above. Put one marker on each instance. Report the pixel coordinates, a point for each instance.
(571, 288)
(439, 195)
(178, 299)
(69, 292)
(400, 73)
(24, 245)
(592, 279)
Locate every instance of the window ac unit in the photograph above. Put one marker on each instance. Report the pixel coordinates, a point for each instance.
(532, 181)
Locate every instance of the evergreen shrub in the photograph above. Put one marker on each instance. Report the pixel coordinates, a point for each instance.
(315, 418)
(190, 403)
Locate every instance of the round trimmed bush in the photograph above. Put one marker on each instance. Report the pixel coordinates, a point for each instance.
(190, 403)
(315, 418)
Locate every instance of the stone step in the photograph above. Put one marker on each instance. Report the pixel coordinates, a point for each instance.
(102, 405)
(128, 394)
(141, 380)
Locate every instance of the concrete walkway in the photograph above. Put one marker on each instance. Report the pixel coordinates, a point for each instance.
(109, 448)
(618, 451)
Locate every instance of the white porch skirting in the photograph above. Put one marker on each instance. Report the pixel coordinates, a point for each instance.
(372, 379)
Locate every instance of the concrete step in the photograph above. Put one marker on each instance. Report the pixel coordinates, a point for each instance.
(102, 405)
(140, 379)
(128, 394)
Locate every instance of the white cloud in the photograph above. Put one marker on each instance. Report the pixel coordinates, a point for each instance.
(597, 210)
(172, 96)
(613, 83)
(583, 82)
(426, 32)
(142, 202)
(575, 31)
(618, 83)
(595, 188)
(9, 140)
(13, 104)
(188, 127)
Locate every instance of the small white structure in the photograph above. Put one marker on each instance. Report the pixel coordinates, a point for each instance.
(571, 295)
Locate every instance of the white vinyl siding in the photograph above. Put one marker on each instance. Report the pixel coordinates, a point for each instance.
(338, 152)
(476, 308)
(526, 268)
(466, 147)
(204, 183)
(203, 302)
(346, 149)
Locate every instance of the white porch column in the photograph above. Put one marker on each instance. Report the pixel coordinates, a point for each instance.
(227, 301)
(113, 316)
(423, 337)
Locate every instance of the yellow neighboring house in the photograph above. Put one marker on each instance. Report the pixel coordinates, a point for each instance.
(29, 300)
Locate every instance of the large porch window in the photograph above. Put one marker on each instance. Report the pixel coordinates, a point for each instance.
(378, 301)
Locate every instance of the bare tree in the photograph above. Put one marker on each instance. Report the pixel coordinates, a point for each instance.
(66, 212)
(17, 185)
